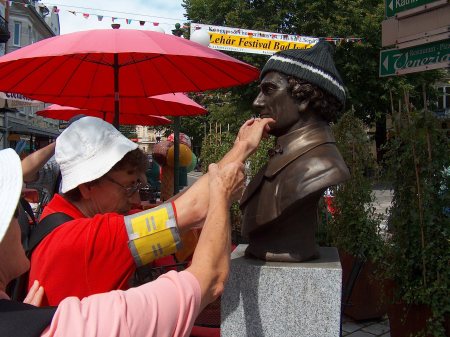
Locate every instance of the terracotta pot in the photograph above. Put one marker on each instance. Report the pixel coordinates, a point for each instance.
(406, 319)
(367, 299)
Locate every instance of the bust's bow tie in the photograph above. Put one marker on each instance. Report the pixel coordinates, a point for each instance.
(278, 149)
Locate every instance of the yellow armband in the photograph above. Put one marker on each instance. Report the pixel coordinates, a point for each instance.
(152, 234)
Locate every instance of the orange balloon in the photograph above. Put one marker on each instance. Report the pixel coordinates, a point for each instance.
(185, 156)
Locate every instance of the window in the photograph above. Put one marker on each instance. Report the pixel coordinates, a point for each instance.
(17, 33)
(31, 35)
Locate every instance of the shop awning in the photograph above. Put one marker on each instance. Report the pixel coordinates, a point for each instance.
(23, 129)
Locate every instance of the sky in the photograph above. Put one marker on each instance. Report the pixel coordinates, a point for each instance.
(164, 12)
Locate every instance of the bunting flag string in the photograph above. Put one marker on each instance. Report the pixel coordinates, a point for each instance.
(221, 30)
(87, 14)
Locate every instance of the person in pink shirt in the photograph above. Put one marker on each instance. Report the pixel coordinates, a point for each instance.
(167, 306)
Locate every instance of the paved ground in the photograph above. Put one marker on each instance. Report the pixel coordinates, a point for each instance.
(383, 197)
(193, 176)
(365, 329)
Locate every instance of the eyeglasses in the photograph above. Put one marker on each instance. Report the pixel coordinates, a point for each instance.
(130, 190)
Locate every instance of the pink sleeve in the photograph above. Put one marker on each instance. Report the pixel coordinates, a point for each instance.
(167, 306)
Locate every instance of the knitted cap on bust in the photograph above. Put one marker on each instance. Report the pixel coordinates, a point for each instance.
(314, 65)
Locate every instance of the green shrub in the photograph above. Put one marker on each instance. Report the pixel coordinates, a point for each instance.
(355, 227)
(418, 254)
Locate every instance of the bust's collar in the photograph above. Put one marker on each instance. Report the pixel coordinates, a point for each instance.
(296, 143)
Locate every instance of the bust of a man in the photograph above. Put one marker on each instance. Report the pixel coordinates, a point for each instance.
(303, 92)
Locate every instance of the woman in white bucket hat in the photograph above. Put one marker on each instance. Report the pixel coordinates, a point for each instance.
(100, 247)
(166, 306)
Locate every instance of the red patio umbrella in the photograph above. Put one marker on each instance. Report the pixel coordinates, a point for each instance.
(177, 104)
(65, 113)
(105, 67)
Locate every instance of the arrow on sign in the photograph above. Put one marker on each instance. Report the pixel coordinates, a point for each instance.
(391, 5)
(386, 63)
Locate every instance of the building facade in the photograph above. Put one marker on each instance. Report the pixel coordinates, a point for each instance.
(27, 22)
(147, 137)
(4, 29)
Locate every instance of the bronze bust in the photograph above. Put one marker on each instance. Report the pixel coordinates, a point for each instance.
(302, 91)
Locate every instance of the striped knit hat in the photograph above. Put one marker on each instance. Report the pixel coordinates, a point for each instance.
(314, 65)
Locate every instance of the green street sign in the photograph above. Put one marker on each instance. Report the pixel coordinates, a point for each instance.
(409, 60)
(392, 7)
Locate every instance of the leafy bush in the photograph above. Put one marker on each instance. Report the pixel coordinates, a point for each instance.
(354, 226)
(418, 255)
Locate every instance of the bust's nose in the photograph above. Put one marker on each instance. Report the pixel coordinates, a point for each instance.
(258, 104)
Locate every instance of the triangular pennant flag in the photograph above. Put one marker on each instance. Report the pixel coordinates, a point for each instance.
(142, 23)
(85, 15)
(73, 12)
(155, 24)
(100, 17)
(10, 3)
(128, 21)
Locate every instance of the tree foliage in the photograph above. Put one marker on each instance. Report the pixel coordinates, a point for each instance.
(357, 62)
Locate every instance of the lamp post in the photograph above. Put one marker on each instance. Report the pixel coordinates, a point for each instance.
(176, 134)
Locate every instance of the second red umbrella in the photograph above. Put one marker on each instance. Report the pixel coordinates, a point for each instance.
(65, 113)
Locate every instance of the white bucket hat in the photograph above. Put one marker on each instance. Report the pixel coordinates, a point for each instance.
(10, 187)
(88, 149)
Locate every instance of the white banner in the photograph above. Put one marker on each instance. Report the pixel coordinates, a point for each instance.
(252, 41)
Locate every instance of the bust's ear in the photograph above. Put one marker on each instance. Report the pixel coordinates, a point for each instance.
(303, 105)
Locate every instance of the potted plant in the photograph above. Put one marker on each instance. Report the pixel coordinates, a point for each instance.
(418, 254)
(354, 227)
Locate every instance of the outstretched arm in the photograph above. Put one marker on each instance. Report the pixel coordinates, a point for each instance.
(32, 163)
(211, 260)
(167, 306)
(192, 205)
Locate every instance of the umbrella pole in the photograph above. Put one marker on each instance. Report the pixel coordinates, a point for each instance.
(116, 91)
(176, 155)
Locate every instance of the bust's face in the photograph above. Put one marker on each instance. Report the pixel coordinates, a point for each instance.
(275, 101)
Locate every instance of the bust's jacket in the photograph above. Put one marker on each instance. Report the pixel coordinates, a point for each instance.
(306, 162)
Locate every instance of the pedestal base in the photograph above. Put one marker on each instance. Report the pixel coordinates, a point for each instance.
(282, 299)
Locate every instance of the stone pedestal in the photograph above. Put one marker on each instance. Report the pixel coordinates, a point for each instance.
(265, 299)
